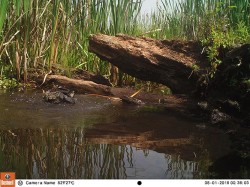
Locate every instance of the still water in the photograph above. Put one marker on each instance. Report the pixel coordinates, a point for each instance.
(97, 139)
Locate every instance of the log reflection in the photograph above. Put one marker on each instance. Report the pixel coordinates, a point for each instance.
(69, 154)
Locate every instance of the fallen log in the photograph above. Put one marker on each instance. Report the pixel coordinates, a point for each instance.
(79, 86)
(88, 76)
(171, 63)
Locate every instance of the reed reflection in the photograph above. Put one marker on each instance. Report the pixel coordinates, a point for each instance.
(67, 154)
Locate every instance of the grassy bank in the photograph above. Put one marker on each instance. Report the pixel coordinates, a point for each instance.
(40, 34)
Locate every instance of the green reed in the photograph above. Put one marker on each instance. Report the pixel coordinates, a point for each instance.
(3, 10)
(193, 19)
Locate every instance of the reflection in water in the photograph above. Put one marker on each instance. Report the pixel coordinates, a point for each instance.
(66, 153)
(98, 139)
(58, 153)
(178, 168)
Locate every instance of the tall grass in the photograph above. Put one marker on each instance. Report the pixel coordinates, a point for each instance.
(3, 10)
(44, 34)
(193, 19)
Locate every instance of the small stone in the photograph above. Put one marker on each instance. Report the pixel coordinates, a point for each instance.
(231, 107)
(218, 116)
(163, 101)
(131, 100)
(203, 105)
(201, 126)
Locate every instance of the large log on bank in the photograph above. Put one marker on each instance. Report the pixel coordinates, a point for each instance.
(171, 63)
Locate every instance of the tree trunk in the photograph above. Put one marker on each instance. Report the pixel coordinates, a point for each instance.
(173, 63)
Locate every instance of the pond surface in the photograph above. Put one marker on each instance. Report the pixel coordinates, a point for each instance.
(98, 138)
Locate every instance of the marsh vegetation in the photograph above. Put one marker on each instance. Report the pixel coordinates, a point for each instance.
(40, 35)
